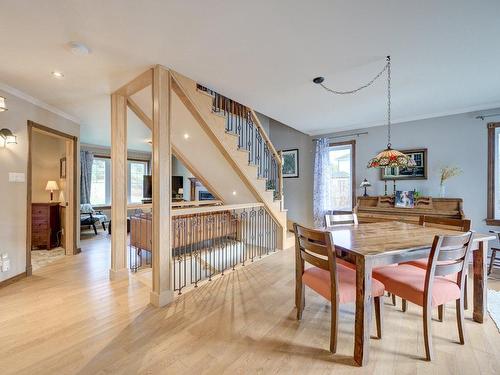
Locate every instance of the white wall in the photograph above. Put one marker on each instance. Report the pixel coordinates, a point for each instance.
(14, 158)
(297, 191)
(458, 140)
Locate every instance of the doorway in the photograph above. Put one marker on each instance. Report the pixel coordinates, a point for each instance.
(51, 196)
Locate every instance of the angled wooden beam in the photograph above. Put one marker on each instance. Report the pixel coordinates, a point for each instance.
(195, 172)
(134, 107)
(137, 84)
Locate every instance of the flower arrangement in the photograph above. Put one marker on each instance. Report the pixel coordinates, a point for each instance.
(449, 172)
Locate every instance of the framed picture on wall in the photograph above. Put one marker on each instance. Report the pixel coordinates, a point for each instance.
(290, 163)
(419, 172)
(62, 168)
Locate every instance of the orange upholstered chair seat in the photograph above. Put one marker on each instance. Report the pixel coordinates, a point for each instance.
(420, 263)
(319, 280)
(353, 266)
(408, 282)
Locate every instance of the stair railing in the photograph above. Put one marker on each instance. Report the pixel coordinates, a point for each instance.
(252, 137)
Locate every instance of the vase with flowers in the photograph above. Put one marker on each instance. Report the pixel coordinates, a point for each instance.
(446, 174)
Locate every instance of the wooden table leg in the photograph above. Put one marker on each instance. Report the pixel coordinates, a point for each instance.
(363, 310)
(480, 282)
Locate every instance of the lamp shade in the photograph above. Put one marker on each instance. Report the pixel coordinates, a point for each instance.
(391, 158)
(51, 186)
(180, 191)
(365, 183)
(7, 135)
(3, 105)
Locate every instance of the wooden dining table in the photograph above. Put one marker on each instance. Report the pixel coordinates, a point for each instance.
(377, 244)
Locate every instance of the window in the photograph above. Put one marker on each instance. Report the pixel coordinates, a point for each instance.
(342, 164)
(100, 190)
(493, 209)
(136, 172)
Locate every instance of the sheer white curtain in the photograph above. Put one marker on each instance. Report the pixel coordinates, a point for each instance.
(322, 182)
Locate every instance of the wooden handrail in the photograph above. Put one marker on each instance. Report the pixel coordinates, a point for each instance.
(265, 136)
(201, 210)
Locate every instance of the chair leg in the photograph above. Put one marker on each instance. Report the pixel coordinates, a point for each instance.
(441, 312)
(104, 226)
(300, 299)
(466, 303)
(393, 299)
(460, 320)
(492, 260)
(404, 305)
(334, 327)
(427, 319)
(95, 229)
(379, 315)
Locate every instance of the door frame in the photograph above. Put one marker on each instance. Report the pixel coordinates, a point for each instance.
(353, 166)
(71, 220)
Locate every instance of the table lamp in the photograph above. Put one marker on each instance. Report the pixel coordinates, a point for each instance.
(51, 186)
(181, 192)
(364, 185)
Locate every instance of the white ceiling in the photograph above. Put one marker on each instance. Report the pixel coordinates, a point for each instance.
(263, 53)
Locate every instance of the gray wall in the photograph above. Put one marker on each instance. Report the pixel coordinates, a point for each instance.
(458, 140)
(298, 191)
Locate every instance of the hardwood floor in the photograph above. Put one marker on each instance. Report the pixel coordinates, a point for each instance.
(69, 318)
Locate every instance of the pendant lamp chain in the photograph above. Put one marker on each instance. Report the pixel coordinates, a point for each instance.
(388, 101)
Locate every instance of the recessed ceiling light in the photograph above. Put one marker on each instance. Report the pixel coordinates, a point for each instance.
(234, 192)
(57, 74)
(186, 136)
(78, 48)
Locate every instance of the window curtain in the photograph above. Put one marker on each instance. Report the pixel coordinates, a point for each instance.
(322, 199)
(86, 160)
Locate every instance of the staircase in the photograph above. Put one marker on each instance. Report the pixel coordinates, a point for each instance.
(237, 132)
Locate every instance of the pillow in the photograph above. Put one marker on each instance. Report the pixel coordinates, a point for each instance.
(86, 208)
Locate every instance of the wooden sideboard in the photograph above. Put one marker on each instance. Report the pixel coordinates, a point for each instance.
(45, 224)
(381, 208)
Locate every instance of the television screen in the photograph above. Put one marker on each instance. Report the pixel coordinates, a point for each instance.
(147, 184)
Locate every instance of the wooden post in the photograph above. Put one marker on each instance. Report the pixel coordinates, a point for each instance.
(119, 186)
(162, 292)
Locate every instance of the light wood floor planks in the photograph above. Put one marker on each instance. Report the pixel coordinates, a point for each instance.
(70, 319)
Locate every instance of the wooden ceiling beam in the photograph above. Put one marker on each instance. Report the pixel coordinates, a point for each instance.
(137, 84)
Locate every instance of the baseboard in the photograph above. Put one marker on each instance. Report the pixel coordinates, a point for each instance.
(12, 279)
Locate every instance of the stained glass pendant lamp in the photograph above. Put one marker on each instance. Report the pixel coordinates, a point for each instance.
(389, 157)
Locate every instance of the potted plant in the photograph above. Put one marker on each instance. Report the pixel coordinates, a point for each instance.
(446, 174)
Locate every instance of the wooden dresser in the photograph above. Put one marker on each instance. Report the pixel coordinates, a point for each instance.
(381, 208)
(45, 224)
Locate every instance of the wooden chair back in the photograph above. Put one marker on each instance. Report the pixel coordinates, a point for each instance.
(340, 218)
(445, 223)
(449, 255)
(316, 248)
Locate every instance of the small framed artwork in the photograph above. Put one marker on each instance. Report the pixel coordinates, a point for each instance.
(404, 199)
(62, 168)
(290, 163)
(419, 172)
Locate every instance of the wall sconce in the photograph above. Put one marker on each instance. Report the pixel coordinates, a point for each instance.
(3, 105)
(8, 137)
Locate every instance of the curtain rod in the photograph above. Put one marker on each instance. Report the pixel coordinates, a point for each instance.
(344, 136)
(482, 117)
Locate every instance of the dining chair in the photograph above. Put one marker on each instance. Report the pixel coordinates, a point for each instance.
(326, 277)
(494, 251)
(433, 287)
(442, 223)
(340, 218)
